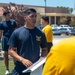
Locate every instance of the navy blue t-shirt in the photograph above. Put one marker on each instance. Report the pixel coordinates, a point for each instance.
(27, 42)
(8, 27)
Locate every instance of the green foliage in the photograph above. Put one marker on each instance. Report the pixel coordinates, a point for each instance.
(69, 10)
(16, 13)
(72, 24)
(63, 20)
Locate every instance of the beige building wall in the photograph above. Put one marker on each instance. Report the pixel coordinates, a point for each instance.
(50, 11)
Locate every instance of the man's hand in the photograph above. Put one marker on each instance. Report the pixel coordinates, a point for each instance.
(26, 62)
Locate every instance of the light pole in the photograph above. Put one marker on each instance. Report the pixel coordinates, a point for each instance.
(45, 7)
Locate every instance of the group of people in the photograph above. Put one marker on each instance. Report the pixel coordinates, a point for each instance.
(7, 26)
(24, 44)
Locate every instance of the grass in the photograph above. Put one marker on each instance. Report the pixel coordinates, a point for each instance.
(2, 67)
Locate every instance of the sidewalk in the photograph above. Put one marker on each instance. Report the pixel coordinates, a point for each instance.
(55, 40)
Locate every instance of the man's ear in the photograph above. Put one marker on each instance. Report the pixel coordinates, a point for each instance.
(24, 17)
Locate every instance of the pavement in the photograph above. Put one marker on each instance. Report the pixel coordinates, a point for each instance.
(55, 40)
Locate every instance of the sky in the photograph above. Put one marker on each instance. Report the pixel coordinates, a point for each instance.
(49, 3)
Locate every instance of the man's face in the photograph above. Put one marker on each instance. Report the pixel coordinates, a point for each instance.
(31, 19)
(43, 21)
(7, 17)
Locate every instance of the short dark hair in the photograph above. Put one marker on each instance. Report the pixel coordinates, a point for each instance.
(29, 11)
(5, 13)
(46, 18)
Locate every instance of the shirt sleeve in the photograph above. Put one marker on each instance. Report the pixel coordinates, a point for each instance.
(43, 41)
(15, 25)
(13, 40)
(1, 26)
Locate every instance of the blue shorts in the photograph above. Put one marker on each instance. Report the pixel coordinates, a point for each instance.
(15, 72)
(5, 43)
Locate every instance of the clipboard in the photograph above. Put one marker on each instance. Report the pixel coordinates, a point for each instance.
(36, 65)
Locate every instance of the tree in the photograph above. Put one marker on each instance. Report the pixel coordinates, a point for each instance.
(72, 23)
(16, 12)
(63, 20)
(69, 10)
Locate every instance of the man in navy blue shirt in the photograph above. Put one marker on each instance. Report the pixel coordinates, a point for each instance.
(25, 43)
(7, 26)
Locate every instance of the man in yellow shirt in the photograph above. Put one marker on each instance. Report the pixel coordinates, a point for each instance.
(61, 58)
(48, 31)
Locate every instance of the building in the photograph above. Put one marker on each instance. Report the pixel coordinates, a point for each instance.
(54, 13)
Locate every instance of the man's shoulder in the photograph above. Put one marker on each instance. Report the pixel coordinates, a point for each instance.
(48, 27)
(19, 29)
(3, 21)
(39, 32)
(12, 20)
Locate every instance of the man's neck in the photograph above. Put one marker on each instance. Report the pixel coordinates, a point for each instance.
(7, 19)
(45, 24)
(29, 27)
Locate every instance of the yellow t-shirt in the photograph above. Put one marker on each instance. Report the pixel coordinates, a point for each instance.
(61, 58)
(48, 33)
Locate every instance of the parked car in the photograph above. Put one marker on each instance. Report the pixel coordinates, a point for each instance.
(67, 31)
(64, 26)
(54, 26)
(64, 30)
(71, 31)
(60, 26)
(56, 31)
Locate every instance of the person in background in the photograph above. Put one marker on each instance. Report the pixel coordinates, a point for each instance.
(25, 43)
(48, 31)
(61, 58)
(0, 30)
(7, 26)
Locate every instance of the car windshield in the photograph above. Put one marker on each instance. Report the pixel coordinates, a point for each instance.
(54, 25)
(64, 26)
(63, 29)
(70, 28)
(55, 29)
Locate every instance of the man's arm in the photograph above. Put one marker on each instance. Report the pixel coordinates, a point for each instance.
(1, 29)
(44, 46)
(12, 52)
(44, 52)
(0, 34)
